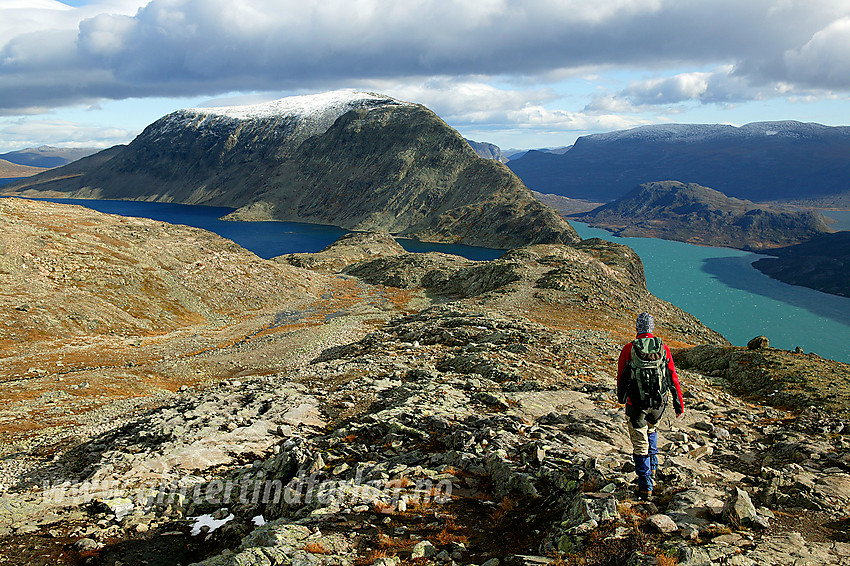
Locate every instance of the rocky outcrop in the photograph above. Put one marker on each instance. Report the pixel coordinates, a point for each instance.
(774, 376)
(349, 249)
(593, 275)
(821, 263)
(698, 215)
(360, 161)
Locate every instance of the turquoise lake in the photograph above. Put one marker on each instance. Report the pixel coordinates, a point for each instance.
(721, 288)
(717, 285)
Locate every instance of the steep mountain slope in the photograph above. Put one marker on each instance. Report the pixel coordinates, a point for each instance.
(822, 263)
(760, 161)
(357, 160)
(699, 215)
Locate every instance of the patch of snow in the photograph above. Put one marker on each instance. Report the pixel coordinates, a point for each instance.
(208, 521)
(296, 117)
(337, 102)
(259, 521)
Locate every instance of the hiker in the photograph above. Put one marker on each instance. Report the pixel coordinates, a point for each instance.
(645, 373)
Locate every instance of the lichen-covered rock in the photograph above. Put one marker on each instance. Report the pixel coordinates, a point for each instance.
(739, 508)
(592, 507)
(663, 523)
(347, 250)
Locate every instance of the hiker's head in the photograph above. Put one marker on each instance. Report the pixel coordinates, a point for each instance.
(645, 324)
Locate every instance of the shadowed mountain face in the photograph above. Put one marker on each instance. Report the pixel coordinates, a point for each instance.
(760, 161)
(822, 263)
(357, 160)
(699, 215)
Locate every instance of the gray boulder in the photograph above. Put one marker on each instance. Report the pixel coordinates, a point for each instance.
(739, 508)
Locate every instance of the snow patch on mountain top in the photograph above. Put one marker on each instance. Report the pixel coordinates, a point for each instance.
(291, 120)
(336, 102)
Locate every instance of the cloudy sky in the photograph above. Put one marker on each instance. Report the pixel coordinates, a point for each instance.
(518, 73)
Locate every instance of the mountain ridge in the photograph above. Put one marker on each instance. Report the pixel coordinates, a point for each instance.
(699, 215)
(761, 161)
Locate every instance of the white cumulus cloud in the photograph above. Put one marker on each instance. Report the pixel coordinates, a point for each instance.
(125, 48)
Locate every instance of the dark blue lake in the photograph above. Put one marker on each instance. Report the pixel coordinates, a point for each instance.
(266, 239)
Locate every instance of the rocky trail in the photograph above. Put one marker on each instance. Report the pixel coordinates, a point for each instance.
(431, 410)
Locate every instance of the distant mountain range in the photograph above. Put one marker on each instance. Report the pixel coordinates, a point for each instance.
(762, 161)
(512, 154)
(46, 156)
(362, 161)
(699, 215)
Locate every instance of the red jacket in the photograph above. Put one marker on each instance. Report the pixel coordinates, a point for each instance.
(622, 374)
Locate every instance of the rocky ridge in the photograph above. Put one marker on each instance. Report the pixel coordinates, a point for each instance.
(436, 436)
(488, 151)
(426, 428)
(361, 161)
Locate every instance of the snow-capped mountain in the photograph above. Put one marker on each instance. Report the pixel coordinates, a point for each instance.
(357, 160)
(299, 117)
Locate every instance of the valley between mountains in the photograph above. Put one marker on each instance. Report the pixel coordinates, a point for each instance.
(420, 409)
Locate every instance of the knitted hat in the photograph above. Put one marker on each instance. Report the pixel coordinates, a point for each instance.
(645, 324)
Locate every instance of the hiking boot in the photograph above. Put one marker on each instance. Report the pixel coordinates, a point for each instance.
(644, 494)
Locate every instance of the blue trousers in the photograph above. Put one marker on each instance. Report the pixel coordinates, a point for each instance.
(645, 447)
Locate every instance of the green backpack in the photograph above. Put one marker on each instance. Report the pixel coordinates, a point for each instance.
(649, 372)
